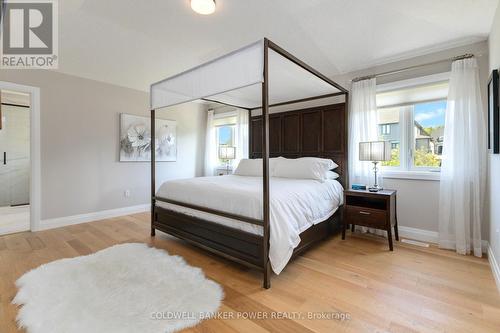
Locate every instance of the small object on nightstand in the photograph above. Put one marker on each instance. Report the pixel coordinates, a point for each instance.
(371, 209)
(358, 187)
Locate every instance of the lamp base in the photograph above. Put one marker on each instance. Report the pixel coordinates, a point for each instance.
(375, 188)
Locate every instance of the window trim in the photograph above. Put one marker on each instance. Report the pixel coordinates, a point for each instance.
(414, 174)
(227, 114)
(418, 81)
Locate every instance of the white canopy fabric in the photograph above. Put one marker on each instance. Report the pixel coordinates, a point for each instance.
(235, 79)
(237, 69)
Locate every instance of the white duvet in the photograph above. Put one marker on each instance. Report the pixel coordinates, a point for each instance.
(295, 205)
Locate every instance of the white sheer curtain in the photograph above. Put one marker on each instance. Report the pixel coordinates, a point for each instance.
(463, 169)
(241, 136)
(210, 146)
(362, 127)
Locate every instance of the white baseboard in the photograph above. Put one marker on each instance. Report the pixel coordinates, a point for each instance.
(18, 227)
(419, 234)
(89, 217)
(428, 236)
(494, 266)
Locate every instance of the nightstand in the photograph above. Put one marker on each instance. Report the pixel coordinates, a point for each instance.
(371, 209)
(224, 171)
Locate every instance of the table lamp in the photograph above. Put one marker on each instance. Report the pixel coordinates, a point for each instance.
(227, 153)
(375, 152)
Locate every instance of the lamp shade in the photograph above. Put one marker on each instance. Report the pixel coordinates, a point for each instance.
(375, 151)
(227, 152)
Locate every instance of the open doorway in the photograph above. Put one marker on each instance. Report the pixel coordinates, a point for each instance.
(19, 158)
(15, 163)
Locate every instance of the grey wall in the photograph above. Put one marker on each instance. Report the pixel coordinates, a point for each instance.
(191, 127)
(79, 143)
(418, 200)
(494, 165)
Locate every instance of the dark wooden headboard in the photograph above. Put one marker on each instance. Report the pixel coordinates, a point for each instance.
(317, 132)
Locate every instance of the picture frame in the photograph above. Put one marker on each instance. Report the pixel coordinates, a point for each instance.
(135, 139)
(493, 113)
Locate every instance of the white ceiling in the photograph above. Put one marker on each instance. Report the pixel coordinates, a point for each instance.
(135, 43)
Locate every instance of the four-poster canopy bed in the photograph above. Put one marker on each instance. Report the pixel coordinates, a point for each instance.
(257, 77)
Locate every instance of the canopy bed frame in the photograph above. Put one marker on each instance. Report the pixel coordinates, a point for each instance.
(317, 132)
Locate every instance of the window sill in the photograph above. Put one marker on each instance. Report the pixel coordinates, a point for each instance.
(415, 175)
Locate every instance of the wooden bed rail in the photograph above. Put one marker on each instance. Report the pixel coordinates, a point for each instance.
(212, 211)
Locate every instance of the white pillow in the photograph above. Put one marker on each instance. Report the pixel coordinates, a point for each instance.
(249, 167)
(329, 164)
(331, 175)
(304, 168)
(253, 167)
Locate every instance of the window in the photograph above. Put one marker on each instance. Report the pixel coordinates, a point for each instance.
(225, 127)
(429, 131)
(412, 119)
(417, 129)
(385, 129)
(225, 135)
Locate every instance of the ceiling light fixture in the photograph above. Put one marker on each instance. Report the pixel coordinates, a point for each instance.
(204, 7)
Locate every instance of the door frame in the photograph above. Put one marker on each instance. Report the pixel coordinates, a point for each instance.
(35, 155)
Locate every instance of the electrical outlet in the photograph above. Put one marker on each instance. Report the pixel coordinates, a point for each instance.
(126, 193)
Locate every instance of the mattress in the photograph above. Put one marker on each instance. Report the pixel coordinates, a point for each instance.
(295, 205)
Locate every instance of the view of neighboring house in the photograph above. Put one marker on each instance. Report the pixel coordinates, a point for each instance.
(437, 135)
(389, 128)
(423, 140)
(429, 140)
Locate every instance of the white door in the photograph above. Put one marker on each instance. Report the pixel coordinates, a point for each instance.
(4, 167)
(14, 162)
(17, 153)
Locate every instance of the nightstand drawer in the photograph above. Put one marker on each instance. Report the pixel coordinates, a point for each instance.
(365, 216)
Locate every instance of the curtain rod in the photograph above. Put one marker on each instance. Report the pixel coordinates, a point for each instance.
(463, 56)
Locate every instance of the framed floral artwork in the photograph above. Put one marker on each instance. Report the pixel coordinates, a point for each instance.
(135, 139)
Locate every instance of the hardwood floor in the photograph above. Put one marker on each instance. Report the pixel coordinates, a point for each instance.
(412, 289)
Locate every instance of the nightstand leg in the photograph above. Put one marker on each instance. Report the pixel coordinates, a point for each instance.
(396, 219)
(352, 227)
(389, 236)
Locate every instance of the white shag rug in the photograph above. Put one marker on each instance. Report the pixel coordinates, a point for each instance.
(124, 288)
